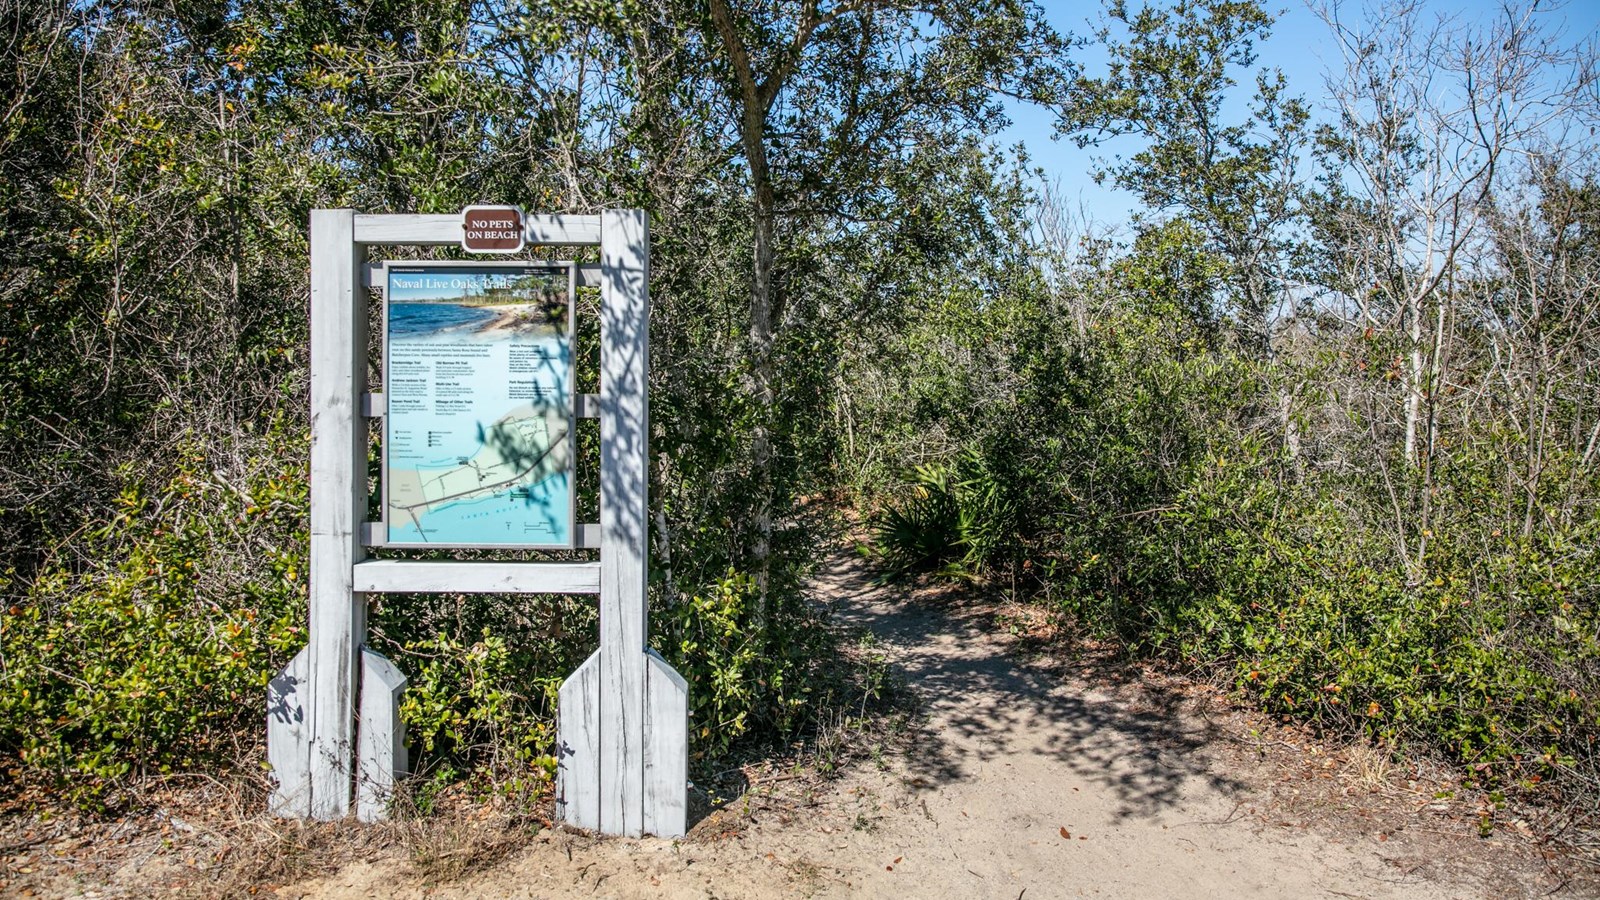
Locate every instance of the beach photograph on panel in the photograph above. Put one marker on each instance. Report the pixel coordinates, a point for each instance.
(478, 430)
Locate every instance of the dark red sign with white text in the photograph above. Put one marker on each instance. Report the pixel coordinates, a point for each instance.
(491, 229)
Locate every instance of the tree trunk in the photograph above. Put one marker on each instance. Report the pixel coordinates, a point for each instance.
(754, 99)
(761, 377)
(1413, 377)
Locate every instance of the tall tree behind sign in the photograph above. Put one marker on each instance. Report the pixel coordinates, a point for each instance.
(157, 164)
(826, 103)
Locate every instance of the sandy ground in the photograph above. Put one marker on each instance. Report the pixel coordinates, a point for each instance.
(1028, 775)
(1027, 780)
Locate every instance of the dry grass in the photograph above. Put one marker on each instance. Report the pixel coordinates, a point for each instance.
(192, 836)
(465, 829)
(1368, 766)
(204, 836)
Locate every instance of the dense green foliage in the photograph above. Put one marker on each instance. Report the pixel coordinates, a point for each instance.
(158, 161)
(1136, 501)
(151, 654)
(1323, 421)
(1377, 510)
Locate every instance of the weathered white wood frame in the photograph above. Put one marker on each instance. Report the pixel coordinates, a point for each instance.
(623, 716)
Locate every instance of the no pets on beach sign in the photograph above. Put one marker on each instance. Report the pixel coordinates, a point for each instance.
(491, 229)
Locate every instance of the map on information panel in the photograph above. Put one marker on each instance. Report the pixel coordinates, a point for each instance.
(478, 442)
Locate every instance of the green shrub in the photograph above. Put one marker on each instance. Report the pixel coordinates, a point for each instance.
(744, 682)
(1133, 471)
(475, 708)
(956, 522)
(151, 653)
(922, 532)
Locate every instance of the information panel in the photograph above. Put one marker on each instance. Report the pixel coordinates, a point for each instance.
(478, 443)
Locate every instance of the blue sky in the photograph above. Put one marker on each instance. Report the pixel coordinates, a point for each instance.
(1300, 45)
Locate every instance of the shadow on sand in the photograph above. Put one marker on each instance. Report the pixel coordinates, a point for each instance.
(983, 702)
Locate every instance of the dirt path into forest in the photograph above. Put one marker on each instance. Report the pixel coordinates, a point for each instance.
(1028, 780)
(1032, 772)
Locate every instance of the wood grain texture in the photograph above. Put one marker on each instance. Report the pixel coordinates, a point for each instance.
(588, 536)
(666, 749)
(571, 231)
(438, 230)
(578, 746)
(402, 576)
(586, 406)
(381, 759)
(338, 498)
(624, 499)
(288, 744)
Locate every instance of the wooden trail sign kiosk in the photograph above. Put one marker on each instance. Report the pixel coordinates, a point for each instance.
(334, 736)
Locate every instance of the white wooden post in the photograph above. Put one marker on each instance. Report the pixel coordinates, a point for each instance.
(623, 726)
(381, 756)
(666, 749)
(578, 711)
(287, 702)
(338, 503)
(624, 485)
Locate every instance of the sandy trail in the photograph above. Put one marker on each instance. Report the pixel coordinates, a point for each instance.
(1026, 782)
(1014, 754)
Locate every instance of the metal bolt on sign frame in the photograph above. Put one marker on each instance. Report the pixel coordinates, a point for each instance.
(623, 715)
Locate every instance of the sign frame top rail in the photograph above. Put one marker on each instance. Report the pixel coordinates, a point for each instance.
(446, 230)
